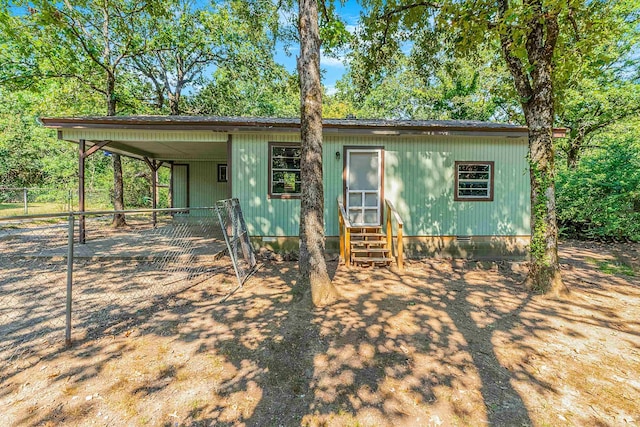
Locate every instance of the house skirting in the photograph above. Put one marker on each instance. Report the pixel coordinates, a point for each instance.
(469, 247)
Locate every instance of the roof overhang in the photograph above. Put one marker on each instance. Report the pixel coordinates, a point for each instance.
(203, 137)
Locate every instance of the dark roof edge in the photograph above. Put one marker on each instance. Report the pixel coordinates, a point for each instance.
(232, 124)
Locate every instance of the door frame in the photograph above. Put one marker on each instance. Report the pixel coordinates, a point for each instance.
(345, 150)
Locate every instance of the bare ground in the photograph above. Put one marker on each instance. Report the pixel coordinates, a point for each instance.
(442, 343)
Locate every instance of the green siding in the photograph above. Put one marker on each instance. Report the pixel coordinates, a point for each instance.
(204, 188)
(418, 178)
(250, 169)
(179, 179)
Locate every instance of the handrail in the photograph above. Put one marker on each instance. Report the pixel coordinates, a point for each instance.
(391, 211)
(343, 213)
(396, 215)
(344, 229)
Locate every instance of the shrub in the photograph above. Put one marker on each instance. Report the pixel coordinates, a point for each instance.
(600, 199)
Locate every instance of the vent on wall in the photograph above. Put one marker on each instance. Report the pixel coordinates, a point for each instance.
(463, 238)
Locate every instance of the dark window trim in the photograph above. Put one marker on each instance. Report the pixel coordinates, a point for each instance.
(270, 195)
(222, 166)
(474, 199)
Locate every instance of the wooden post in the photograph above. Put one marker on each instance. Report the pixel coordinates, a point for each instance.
(81, 206)
(391, 210)
(389, 229)
(154, 166)
(24, 198)
(83, 153)
(347, 246)
(154, 193)
(400, 248)
(341, 232)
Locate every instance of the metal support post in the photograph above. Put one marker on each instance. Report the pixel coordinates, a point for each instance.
(154, 191)
(81, 206)
(154, 166)
(67, 333)
(26, 204)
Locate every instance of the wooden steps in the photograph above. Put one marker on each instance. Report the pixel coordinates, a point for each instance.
(369, 246)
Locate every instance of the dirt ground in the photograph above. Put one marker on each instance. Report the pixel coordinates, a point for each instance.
(443, 343)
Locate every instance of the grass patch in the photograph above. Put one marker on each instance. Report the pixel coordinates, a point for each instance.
(612, 267)
(14, 209)
(616, 268)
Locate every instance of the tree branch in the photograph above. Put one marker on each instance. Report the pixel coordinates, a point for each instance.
(520, 77)
(388, 14)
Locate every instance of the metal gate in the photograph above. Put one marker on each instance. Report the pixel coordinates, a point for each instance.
(236, 236)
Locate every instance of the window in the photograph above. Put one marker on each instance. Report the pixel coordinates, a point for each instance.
(474, 181)
(284, 170)
(222, 173)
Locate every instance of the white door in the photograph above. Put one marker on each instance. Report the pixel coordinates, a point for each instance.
(364, 185)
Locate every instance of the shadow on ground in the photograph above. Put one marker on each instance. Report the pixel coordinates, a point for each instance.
(441, 343)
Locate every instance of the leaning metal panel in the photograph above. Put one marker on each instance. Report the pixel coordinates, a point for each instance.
(237, 238)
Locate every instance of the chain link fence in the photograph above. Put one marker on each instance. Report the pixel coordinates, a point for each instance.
(116, 278)
(237, 238)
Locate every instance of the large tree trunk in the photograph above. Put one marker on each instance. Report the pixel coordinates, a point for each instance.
(313, 267)
(118, 183)
(544, 272)
(533, 81)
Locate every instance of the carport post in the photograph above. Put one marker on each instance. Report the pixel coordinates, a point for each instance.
(81, 207)
(154, 166)
(83, 153)
(67, 332)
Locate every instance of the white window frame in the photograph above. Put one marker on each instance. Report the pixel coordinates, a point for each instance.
(489, 181)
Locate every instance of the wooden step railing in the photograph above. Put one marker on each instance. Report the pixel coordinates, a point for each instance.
(344, 226)
(394, 216)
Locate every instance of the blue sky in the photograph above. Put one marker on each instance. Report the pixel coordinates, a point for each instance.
(333, 68)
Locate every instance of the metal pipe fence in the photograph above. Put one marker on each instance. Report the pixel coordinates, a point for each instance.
(53, 287)
(16, 201)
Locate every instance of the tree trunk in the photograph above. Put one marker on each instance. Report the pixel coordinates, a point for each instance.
(174, 104)
(313, 267)
(544, 271)
(534, 85)
(573, 152)
(118, 193)
(118, 183)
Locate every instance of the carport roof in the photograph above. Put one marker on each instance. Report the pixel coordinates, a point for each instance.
(239, 124)
(205, 137)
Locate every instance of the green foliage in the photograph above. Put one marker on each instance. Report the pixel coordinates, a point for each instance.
(601, 197)
(268, 91)
(185, 40)
(418, 88)
(538, 243)
(612, 267)
(29, 154)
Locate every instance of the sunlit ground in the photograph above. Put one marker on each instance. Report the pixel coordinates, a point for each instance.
(441, 343)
